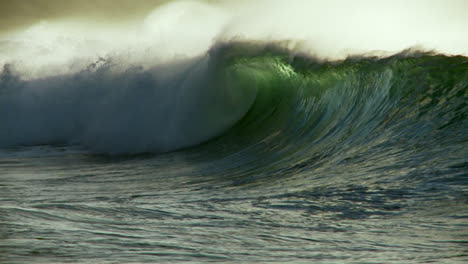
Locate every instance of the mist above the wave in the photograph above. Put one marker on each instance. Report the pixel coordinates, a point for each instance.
(335, 28)
(173, 31)
(330, 29)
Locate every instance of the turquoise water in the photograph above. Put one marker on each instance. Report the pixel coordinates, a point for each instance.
(275, 157)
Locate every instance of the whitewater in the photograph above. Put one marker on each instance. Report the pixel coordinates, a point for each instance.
(238, 132)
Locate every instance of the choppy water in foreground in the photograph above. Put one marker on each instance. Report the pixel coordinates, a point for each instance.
(360, 161)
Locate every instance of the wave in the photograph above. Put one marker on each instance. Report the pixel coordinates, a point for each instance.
(243, 95)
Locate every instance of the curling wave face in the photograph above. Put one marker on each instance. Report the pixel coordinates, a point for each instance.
(361, 114)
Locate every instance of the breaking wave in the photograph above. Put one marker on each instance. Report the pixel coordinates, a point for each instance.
(241, 95)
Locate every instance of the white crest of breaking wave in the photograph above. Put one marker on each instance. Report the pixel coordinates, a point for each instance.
(332, 29)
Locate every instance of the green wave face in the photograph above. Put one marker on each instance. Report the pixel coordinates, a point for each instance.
(361, 114)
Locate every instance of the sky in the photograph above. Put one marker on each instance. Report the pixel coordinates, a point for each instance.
(18, 15)
(57, 31)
